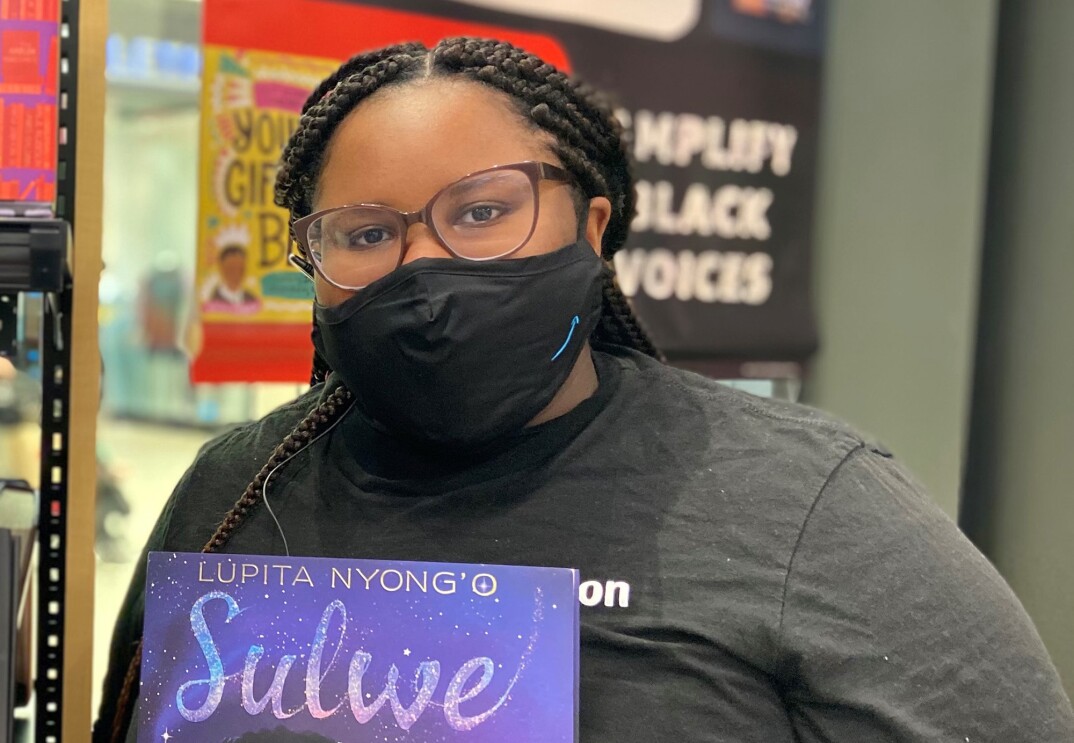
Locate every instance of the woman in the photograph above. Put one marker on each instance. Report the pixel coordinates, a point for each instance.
(492, 400)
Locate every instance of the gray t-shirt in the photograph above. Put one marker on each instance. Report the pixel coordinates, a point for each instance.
(752, 570)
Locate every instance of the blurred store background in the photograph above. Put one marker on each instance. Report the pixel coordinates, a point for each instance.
(942, 260)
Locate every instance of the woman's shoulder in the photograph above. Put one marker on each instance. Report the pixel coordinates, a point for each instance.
(712, 411)
(222, 469)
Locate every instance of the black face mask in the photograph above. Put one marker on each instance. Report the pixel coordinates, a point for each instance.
(457, 353)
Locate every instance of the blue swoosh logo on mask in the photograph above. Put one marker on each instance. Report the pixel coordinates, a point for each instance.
(570, 333)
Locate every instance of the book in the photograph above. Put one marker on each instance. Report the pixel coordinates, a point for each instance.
(257, 648)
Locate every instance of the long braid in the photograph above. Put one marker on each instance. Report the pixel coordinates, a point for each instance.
(618, 323)
(318, 419)
(125, 704)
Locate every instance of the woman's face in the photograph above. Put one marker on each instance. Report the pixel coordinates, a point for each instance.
(403, 144)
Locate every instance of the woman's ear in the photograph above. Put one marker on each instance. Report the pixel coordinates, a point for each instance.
(600, 213)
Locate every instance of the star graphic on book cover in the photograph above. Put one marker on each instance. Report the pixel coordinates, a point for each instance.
(406, 652)
(166, 736)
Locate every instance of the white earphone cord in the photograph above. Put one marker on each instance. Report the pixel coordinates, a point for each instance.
(307, 447)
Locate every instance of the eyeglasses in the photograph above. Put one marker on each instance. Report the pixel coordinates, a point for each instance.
(485, 215)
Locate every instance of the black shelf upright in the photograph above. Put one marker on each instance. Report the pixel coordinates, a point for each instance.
(56, 398)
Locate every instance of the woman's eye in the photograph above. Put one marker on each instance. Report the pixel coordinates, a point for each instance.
(480, 213)
(367, 237)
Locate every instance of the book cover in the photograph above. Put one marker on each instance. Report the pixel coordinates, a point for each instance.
(257, 648)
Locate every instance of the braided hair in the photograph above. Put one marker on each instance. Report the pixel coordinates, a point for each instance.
(586, 137)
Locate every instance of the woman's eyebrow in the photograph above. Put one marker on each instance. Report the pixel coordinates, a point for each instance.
(474, 183)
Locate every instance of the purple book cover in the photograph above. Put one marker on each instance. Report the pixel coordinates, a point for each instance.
(261, 649)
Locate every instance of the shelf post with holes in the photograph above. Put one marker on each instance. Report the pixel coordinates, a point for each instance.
(70, 380)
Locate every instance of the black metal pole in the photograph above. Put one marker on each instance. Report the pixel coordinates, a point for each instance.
(55, 393)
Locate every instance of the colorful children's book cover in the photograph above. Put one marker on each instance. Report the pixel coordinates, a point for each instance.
(261, 649)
